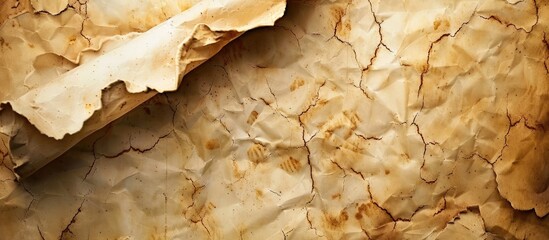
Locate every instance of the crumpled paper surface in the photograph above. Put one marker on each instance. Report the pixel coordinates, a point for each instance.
(346, 120)
(62, 80)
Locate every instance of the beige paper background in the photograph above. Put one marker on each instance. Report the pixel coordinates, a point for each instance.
(346, 120)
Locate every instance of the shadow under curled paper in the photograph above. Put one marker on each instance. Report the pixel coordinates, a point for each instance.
(346, 119)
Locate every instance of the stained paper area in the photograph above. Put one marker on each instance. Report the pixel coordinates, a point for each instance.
(346, 120)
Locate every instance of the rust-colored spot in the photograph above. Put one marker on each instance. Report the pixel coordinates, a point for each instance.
(387, 171)
(343, 27)
(441, 24)
(337, 221)
(344, 124)
(252, 117)
(336, 196)
(337, 13)
(88, 106)
(298, 82)
(291, 165)
(236, 171)
(259, 193)
(212, 144)
(72, 40)
(199, 212)
(257, 153)
(371, 211)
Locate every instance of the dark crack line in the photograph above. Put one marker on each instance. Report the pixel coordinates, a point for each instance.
(443, 206)
(511, 125)
(368, 138)
(374, 57)
(428, 66)
(3, 163)
(395, 220)
(32, 196)
(95, 152)
(357, 172)
(73, 220)
(344, 170)
(479, 156)
(195, 191)
(377, 205)
(204, 225)
(316, 98)
(365, 232)
(544, 40)
(173, 108)
(311, 224)
(218, 119)
(275, 193)
(378, 27)
(424, 148)
(272, 93)
(359, 65)
(308, 157)
(492, 17)
(291, 32)
(425, 144)
(15, 5)
(40, 233)
(57, 14)
(424, 161)
(339, 166)
(305, 142)
(136, 149)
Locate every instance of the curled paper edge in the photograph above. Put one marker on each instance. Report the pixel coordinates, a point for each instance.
(36, 130)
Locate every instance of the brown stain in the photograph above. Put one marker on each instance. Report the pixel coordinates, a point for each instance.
(297, 83)
(236, 171)
(291, 165)
(322, 102)
(405, 157)
(252, 117)
(200, 212)
(346, 122)
(336, 196)
(337, 221)
(72, 40)
(88, 106)
(372, 212)
(258, 194)
(337, 13)
(343, 27)
(442, 24)
(157, 234)
(212, 144)
(339, 132)
(257, 153)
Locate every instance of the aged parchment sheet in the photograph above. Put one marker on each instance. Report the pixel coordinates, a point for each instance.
(348, 119)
